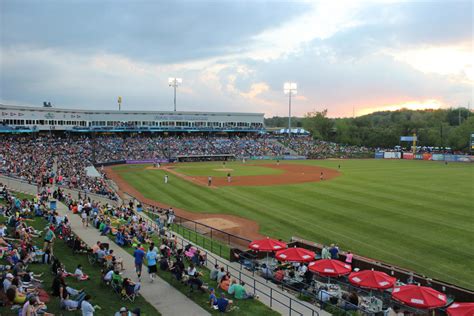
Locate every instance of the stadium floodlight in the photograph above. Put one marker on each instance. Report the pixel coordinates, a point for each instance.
(174, 82)
(290, 88)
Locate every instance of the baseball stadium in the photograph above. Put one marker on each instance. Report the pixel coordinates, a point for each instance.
(228, 193)
(242, 158)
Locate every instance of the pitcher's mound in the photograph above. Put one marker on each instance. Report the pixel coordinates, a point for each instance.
(223, 169)
(153, 168)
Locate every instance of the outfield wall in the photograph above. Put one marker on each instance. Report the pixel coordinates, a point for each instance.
(423, 156)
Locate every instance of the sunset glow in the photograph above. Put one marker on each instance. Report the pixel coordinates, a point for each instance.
(410, 105)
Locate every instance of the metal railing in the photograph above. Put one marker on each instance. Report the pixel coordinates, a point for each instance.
(294, 306)
(199, 228)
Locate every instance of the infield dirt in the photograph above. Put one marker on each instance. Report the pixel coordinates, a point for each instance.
(292, 174)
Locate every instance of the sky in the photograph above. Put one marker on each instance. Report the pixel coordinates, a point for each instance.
(350, 57)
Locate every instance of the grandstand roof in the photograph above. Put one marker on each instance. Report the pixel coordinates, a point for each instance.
(90, 111)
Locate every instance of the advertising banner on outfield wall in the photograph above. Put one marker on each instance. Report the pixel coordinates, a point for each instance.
(392, 155)
(427, 156)
(419, 156)
(379, 155)
(464, 158)
(437, 157)
(408, 156)
(147, 161)
(450, 157)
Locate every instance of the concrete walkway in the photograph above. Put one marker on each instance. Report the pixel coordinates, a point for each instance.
(166, 299)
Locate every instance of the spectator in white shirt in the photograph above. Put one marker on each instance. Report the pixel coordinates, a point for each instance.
(7, 282)
(108, 276)
(302, 269)
(87, 308)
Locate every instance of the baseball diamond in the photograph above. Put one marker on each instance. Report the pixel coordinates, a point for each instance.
(409, 213)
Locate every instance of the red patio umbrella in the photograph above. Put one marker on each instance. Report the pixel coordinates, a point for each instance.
(461, 309)
(295, 255)
(330, 267)
(372, 279)
(267, 245)
(419, 296)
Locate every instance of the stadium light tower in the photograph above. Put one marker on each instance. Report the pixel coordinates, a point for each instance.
(174, 82)
(290, 89)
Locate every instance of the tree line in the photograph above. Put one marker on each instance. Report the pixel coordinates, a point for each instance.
(438, 128)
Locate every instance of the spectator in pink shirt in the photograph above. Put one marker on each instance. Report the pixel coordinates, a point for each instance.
(349, 256)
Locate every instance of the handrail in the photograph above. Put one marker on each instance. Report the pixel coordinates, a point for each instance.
(228, 236)
(217, 260)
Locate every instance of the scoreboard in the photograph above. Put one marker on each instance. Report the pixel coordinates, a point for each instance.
(472, 142)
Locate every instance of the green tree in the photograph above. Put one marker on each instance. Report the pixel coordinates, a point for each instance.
(319, 124)
(459, 137)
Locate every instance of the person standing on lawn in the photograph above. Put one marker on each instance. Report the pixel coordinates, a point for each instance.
(49, 238)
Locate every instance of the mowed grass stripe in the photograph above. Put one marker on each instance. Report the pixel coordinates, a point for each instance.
(301, 192)
(422, 190)
(435, 208)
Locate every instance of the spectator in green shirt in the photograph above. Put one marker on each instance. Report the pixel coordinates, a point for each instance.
(117, 278)
(239, 291)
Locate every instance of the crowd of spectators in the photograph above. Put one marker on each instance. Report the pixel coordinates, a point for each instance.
(23, 289)
(147, 147)
(317, 149)
(32, 160)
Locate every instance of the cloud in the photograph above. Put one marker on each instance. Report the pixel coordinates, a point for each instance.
(164, 32)
(235, 56)
(255, 90)
(338, 84)
(454, 61)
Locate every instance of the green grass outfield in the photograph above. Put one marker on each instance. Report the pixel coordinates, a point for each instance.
(414, 214)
